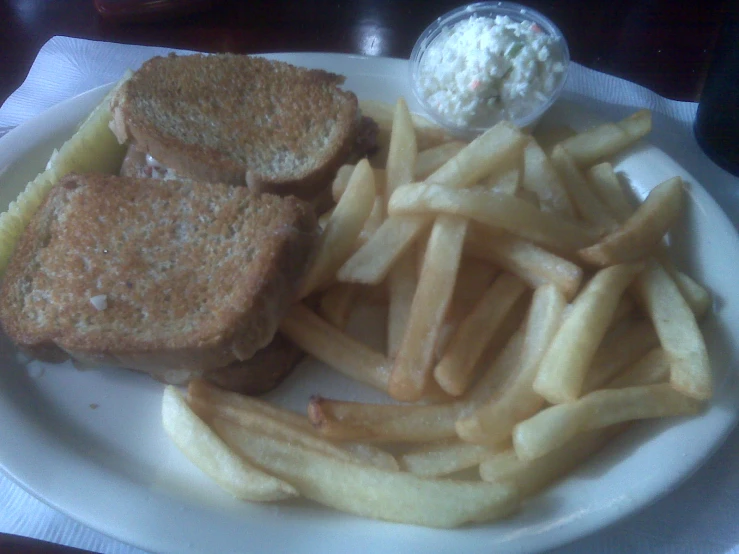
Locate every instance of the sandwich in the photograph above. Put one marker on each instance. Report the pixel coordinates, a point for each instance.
(177, 279)
(240, 120)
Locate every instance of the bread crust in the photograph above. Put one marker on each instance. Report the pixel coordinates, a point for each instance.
(239, 120)
(204, 288)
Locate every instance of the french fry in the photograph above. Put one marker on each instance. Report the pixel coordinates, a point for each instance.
(413, 363)
(678, 332)
(256, 421)
(498, 211)
(563, 368)
(340, 182)
(444, 457)
(587, 204)
(428, 133)
(651, 369)
(507, 183)
(531, 476)
(455, 370)
(622, 346)
(346, 222)
(697, 297)
(639, 235)
(549, 136)
(554, 426)
(230, 405)
(473, 278)
(338, 350)
(608, 139)
(368, 491)
(431, 159)
(402, 280)
(372, 262)
(529, 262)
(402, 284)
(607, 186)
(214, 458)
(540, 177)
(337, 303)
(401, 159)
(352, 421)
(372, 223)
(493, 422)
(483, 156)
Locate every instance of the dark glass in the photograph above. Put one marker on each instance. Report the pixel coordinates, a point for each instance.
(717, 120)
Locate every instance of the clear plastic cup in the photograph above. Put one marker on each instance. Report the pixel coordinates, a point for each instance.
(517, 13)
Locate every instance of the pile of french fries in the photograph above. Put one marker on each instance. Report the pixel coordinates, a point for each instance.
(532, 313)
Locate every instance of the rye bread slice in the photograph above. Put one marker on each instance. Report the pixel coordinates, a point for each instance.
(239, 120)
(193, 276)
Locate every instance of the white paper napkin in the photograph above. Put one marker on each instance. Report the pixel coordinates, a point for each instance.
(701, 516)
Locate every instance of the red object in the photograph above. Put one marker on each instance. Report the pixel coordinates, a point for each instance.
(149, 10)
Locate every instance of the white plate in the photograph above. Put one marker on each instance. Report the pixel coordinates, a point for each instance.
(90, 443)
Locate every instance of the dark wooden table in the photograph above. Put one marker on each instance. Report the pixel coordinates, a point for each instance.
(664, 45)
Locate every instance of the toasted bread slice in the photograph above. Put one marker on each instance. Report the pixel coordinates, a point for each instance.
(173, 278)
(239, 120)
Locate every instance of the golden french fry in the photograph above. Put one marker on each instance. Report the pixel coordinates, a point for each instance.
(373, 222)
(607, 186)
(651, 369)
(413, 362)
(622, 346)
(473, 278)
(369, 491)
(444, 457)
(529, 262)
(678, 332)
(530, 476)
(488, 152)
(608, 139)
(401, 159)
(498, 211)
(337, 303)
(607, 183)
(587, 204)
(493, 422)
(540, 177)
(256, 421)
(554, 426)
(372, 262)
(563, 368)
(697, 297)
(506, 183)
(549, 136)
(402, 279)
(639, 235)
(402, 284)
(339, 420)
(346, 222)
(214, 458)
(335, 348)
(455, 370)
(340, 182)
(233, 406)
(428, 133)
(431, 159)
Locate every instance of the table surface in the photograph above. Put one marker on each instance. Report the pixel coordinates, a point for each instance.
(664, 45)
